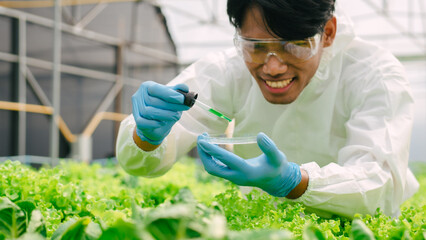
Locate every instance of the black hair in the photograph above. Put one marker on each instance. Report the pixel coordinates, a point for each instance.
(287, 19)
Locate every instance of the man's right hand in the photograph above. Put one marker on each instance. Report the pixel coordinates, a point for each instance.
(156, 108)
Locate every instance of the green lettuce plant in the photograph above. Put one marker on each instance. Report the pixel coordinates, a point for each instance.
(79, 201)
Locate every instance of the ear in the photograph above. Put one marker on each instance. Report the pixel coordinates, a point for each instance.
(330, 30)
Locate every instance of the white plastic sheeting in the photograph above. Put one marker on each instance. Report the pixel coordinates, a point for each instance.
(200, 26)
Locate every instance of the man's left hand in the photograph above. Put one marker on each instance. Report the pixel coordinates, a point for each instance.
(270, 171)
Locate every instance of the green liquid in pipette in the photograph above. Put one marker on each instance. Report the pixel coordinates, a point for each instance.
(219, 114)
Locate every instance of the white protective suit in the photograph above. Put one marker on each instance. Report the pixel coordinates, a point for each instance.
(349, 129)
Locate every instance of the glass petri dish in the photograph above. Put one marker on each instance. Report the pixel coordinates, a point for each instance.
(222, 139)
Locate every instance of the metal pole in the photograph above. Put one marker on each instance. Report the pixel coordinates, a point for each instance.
(91, 35)
(56, 85)
(22, 89)
(119, 61)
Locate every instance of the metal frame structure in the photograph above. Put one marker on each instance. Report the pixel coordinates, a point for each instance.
(404, 22)
(52, 108)
(393, 17)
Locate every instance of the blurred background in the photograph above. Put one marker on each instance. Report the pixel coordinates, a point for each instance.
(68, 68)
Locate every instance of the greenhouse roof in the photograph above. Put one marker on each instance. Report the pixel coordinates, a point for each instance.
(202, 26)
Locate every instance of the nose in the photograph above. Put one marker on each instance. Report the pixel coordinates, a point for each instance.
(274, 65)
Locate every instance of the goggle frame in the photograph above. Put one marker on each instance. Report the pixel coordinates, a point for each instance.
(294, 51)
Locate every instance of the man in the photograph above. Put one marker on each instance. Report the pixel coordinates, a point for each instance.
(332, 113)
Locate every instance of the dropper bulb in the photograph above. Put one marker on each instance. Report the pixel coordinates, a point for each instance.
(190, 97)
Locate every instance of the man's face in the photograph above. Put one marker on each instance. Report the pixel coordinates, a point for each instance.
(281, 81)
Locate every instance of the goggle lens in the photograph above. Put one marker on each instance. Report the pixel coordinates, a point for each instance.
(258, 51)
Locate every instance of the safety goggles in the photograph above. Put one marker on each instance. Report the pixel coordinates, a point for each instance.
(259, 50)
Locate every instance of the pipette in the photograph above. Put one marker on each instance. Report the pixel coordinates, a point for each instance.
(191, 99)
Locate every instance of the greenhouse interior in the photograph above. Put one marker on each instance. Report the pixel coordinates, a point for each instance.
(76, 75)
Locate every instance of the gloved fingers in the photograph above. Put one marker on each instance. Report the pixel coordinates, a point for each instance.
(268, 147)
(203, 155)
(181, 86)
(218, 169)
(136, 107)
(142, 110)
(148, 137)
(228, 158)
(229, 174)
(160, 114)
(202, 136)
(165, 93)
(162, 104)
(209, 163)
(145, 124)
(142, 88)
(237, 178)
(139, 110)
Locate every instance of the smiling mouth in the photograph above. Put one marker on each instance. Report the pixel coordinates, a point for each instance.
(279, 84)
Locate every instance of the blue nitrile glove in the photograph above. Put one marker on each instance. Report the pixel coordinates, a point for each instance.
(269, 171)
(156, 108)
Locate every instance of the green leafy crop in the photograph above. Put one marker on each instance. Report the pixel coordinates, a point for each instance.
(80, 201)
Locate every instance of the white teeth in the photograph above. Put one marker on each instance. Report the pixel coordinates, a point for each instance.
(280, 84)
